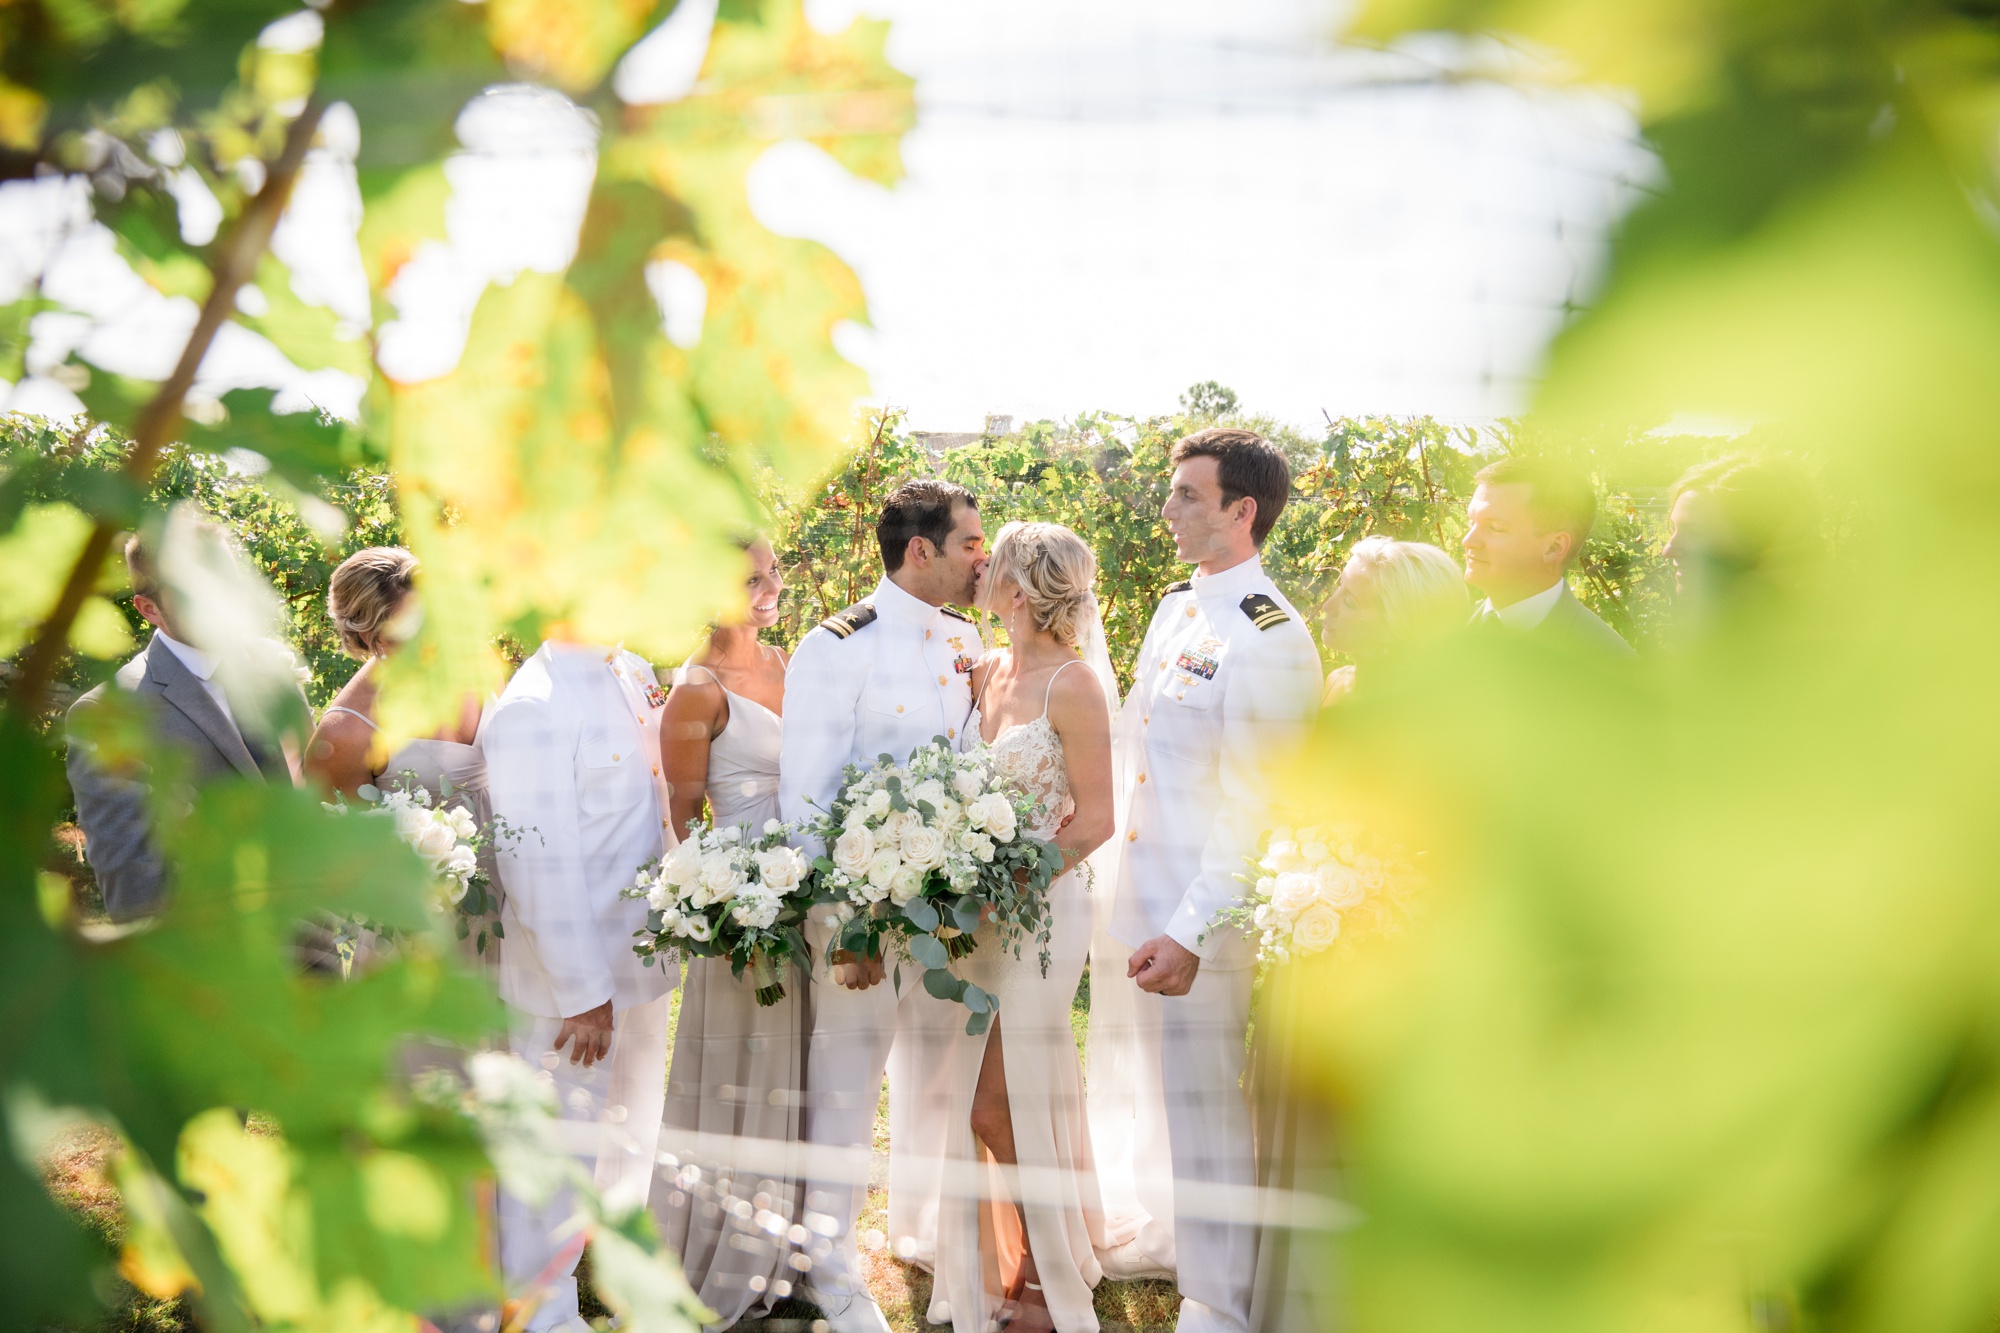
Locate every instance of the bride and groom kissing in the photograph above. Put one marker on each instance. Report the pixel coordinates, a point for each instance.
(1018, 1192)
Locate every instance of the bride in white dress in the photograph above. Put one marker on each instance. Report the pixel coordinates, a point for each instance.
(1026, 1252)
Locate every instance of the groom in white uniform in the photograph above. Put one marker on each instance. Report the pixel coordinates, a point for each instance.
(1226, 681)
(884, 676)
(573, 762)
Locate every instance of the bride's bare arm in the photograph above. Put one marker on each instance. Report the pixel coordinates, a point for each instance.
(1082, 718)
(694, 714)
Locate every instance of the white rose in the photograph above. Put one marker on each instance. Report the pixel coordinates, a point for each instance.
(979, 810)
(1001, 823)
(1340, 886)
(890, 831)
(410, 822)
(1261, 918)
(670, 919)
(968, 783)
(1283, 855)
(1317, 928)
(930, 791)
(435, 841)
(461, 861)
(1266, 886)
(971, 841)
(462, 823)
(1295, 892)
(923, 847)
(1315, 851)
(878, 802)
(772, 828)
(984, 849)
(853, 850)
(721, 876)
(683, 866)
(1369, 871)
(871, 892)
(856, 817)
(882, 870)
(905, 884)
(780, 868)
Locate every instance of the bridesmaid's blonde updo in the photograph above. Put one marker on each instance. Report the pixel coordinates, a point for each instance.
(364, 593)
(1055, 571)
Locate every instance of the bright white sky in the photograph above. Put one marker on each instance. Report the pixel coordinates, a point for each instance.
(1107, 201)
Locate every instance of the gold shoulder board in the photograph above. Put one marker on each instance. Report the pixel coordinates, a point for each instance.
(1263, 612)
(843, 623)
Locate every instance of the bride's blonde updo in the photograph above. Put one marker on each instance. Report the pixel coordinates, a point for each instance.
(1054, 570)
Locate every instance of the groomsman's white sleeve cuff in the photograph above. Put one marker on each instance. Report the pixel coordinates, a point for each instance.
(1186, 929)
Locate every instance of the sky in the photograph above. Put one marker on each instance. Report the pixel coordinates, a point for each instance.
(1106, 202)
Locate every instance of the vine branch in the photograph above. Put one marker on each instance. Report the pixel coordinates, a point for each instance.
(235, 260)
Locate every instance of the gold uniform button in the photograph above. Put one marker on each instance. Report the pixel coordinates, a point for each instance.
(899, 708)
(1163, 666)
(614, 758)
(951, 733)
(1190, 612)
(1146, 721)
(940, 680)
(1142, 777)
(1133, 836)
(927, 634)
(656, 772)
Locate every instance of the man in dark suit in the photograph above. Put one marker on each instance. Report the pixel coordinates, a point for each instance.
(1526, 526)
(181, 686)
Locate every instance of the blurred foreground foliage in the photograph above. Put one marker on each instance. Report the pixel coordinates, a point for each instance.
(571, 467)
(1704, 1029)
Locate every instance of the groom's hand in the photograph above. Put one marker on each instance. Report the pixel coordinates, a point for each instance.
(853, 971)
(589, 1035)
(1163, 966)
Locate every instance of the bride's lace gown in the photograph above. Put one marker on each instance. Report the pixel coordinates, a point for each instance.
(1056, 1182)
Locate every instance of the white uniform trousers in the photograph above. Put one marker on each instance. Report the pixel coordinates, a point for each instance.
(1189, 1052)
(623, 1095)
(852, 1038)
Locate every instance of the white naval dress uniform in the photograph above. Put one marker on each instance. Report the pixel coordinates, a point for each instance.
(1226, 681)
(883, 677)
(573, 761)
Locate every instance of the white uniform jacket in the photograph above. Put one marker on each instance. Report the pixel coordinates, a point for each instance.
(572, 763)
(882, 677)
(1227, 681)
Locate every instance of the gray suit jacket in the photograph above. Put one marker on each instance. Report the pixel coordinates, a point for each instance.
(1576, 623)
(112, 810)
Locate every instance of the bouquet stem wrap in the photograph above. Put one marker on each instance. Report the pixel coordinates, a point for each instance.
(765, 976)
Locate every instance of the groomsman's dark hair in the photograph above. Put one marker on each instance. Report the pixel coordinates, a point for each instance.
(1560, 498)
(1247, 464)
(919, 508)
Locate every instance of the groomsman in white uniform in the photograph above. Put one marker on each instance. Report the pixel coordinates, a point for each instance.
(1226, 681)
(573, 761)
(886, 675)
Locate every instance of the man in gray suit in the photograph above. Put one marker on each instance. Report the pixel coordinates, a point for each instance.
(1525, 527)
(181, 687)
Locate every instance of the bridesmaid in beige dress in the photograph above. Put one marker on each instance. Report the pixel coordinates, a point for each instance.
(375, 611)
(732, 1205)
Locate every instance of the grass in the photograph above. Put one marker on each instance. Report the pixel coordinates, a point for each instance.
(75, 1175)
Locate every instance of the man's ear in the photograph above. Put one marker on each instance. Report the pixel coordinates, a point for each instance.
(917, 552)
(1248, 512)
(1562, 545)
(149, 610)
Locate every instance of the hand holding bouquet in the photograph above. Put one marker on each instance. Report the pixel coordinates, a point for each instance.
(1316, 886)
(729, 893)
(919, 854)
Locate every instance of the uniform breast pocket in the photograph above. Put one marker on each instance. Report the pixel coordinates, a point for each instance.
(613, 777)
(1186, 714)
(885, 703)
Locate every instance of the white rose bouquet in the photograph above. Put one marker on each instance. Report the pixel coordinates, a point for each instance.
(917, 855)
(451, 842)
(1314, 887)
(732, 893)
